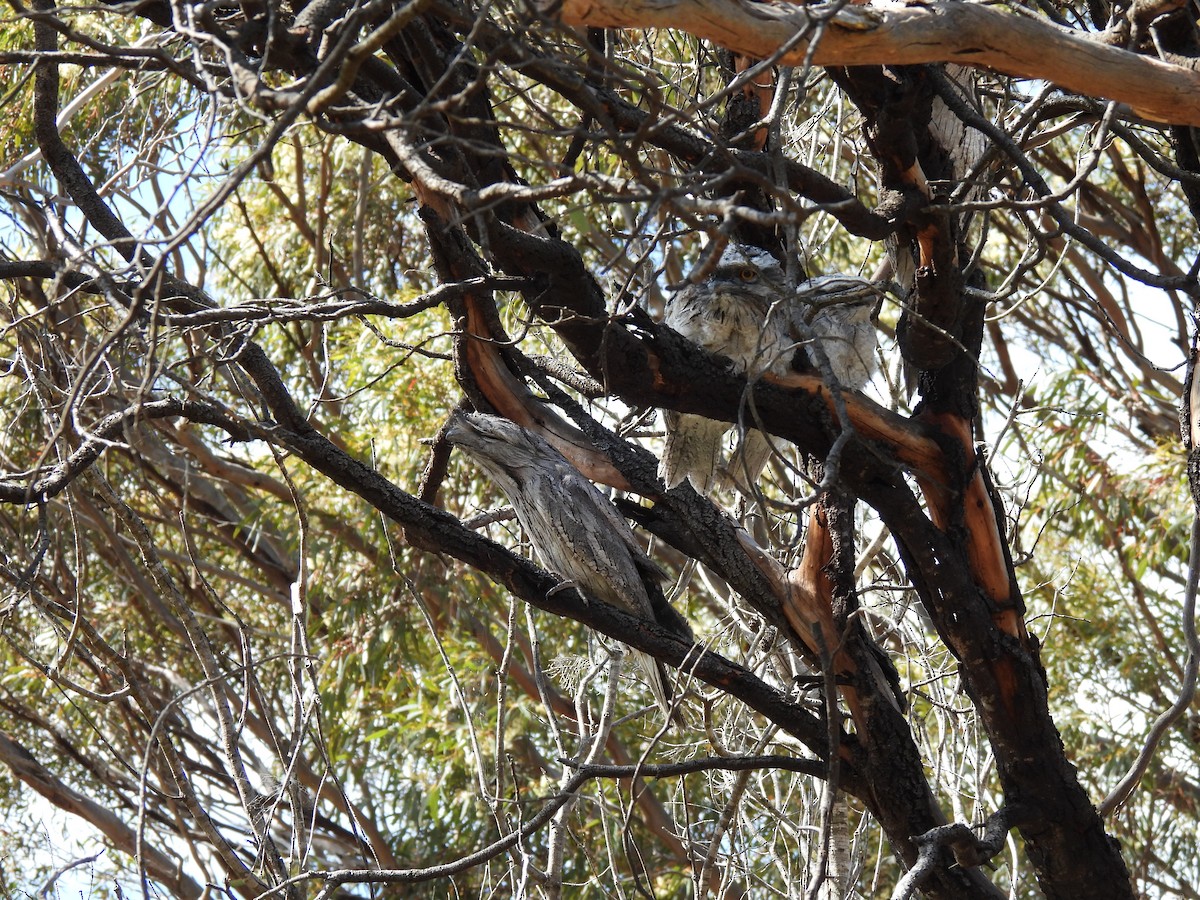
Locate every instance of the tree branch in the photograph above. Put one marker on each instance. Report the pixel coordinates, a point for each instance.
(162, 868)
(101, 436)
(967, 34)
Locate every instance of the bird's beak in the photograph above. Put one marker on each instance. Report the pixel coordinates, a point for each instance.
(458, 427)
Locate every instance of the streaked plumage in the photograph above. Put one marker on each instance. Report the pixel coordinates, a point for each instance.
(838, 309)
(746, 311)
(575, 530)
(742, 311)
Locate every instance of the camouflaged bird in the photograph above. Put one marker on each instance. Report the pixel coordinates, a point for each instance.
(746, 311)
(838, 309)
(575, 530)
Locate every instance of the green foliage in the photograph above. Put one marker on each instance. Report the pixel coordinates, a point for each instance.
(381, 696)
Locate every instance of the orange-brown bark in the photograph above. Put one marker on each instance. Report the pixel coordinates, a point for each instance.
(969, 34)
(761, 91)
(909, 441)
(806, 598)
(985, 544)
(509, 396)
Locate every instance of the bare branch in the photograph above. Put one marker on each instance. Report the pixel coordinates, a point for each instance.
(967, 34)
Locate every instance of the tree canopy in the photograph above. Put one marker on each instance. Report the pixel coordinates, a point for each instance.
(268, 632)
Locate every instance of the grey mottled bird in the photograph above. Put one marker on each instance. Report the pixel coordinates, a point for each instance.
(745, 310)
(838, 310)
(742, 311)
(575, 530)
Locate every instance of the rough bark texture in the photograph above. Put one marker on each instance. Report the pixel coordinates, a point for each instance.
(479, 217)
(966, 34)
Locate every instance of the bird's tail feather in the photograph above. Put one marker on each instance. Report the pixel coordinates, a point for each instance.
(661, 686)
(692, 451)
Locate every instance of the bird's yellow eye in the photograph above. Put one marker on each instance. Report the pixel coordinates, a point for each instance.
(748, 274)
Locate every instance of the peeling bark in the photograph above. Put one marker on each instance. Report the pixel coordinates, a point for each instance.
(967, 34)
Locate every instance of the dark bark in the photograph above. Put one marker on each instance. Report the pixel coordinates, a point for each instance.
(955, 554)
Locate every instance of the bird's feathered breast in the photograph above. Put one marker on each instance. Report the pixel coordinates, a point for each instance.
(575, 530)
(745, 323)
